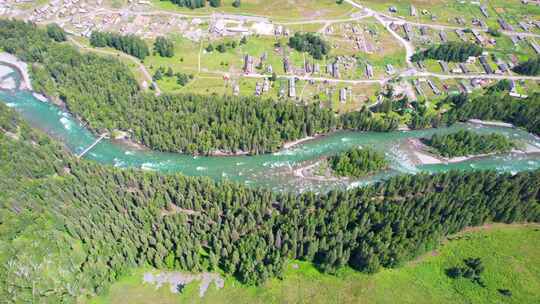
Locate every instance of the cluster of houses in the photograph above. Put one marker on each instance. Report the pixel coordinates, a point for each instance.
(83, 17)
(279, 30)
(356, 36)
(7, 8)
(250, 65)
(60, 8)
(262, 87)
(462, 68)
(463, 86)
(525, 25)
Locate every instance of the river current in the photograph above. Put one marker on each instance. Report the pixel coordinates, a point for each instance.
(269, 170)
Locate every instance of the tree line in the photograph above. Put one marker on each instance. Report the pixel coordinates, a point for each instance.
(450, 51)
(129, 44)
(164, 47)
(193, 4)
(71, 227)
(495, 104)
(357, 162)
(310, 43)
(500, 106)
(465, 142)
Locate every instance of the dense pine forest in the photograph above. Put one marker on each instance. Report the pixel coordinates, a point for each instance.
(451, 51)
(524, 113)
(494, 105)
(357, 162)
(465, 142)
(70, 227)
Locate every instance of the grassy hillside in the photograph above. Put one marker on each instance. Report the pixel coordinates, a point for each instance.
(509, 254)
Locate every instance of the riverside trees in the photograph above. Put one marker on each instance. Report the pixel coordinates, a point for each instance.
(497, 106)
(357, 162)
(465, 142)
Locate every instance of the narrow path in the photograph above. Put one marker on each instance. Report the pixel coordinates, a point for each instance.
(382, 81)
(325, 21)
(141, 66)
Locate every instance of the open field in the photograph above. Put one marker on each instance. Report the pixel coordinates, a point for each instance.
(277, 10)
(508, 252)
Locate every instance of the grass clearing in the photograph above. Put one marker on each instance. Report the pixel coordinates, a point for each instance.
(508, 252)
(283, 10)
(130, 289)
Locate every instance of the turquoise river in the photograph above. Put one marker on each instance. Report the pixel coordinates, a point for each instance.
(278, 170)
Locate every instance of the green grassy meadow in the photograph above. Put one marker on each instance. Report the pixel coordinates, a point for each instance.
(508, 252)
(283, 10)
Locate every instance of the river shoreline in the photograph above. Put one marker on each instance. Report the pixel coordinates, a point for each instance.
(290, 144)
(20, 66)
(491, 123)
(424, 157)
(220, 153)
(306, 172)
(274, 170)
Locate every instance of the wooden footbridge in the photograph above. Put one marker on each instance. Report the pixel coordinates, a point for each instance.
(104, 135)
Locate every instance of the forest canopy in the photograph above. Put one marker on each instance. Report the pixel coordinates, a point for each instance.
(164, 47)
(500, 106)
(357, 162)
(129, 44)
(465, 142)
(451, 51)
(74, 226)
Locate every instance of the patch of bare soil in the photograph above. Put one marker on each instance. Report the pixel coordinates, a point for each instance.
(177, 280)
